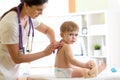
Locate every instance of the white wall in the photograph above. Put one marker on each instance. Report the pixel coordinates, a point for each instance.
(56, 7)
(88, 5)
(113, 38)
(7, 4)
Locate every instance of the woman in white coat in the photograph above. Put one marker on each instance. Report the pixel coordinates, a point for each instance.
(16, 26)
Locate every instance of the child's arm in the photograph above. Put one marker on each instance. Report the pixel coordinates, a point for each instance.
(71, 59)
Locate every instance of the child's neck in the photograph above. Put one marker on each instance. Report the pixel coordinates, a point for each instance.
(65, 41)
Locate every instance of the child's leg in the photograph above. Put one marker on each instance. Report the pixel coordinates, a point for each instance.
(88, 73)
(101, 67)
(78, 72)
(91, 73)
(95, 71)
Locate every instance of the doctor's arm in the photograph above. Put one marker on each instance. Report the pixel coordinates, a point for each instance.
(13, 50)
(48, 31)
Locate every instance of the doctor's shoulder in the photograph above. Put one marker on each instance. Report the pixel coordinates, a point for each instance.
(10, 17)
(7, 12)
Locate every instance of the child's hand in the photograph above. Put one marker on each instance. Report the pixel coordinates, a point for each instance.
(90, 64)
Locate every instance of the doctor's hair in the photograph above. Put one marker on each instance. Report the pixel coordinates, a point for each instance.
(33, 2)
(28, 2)
(69, 26)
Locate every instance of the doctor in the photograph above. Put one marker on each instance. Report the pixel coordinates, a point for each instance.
(16, 25)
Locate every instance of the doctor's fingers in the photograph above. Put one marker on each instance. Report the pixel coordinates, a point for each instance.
(57, 45)
(49, 49)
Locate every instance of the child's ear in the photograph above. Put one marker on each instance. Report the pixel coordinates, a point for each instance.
(61, 34)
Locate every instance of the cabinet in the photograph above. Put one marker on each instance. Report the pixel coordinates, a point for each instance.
(93, 30)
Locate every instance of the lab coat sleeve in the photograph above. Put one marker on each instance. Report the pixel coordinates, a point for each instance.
(36, 22)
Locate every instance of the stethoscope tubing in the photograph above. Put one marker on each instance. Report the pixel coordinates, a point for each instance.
(21, 48)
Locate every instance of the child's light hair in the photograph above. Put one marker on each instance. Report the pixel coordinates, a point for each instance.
(69, 26)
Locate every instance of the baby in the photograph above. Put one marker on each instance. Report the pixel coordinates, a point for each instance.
(65, 63)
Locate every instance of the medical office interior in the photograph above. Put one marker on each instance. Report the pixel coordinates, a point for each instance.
(99, 23)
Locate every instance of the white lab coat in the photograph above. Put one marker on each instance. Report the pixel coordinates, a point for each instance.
(9, 35)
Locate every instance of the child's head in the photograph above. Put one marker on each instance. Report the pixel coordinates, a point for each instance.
(69, 31)
(69, 26)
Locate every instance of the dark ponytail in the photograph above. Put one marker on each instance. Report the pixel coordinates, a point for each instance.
(13, 9)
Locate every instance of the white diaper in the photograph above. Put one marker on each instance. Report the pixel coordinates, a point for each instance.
(63, 72)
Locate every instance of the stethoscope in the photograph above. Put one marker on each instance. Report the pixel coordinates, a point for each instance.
(21, 48)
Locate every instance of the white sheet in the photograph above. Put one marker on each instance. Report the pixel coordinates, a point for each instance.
(105, 75)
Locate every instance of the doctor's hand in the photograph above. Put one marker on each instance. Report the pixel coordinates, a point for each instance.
(49, 49)
(57, 45)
